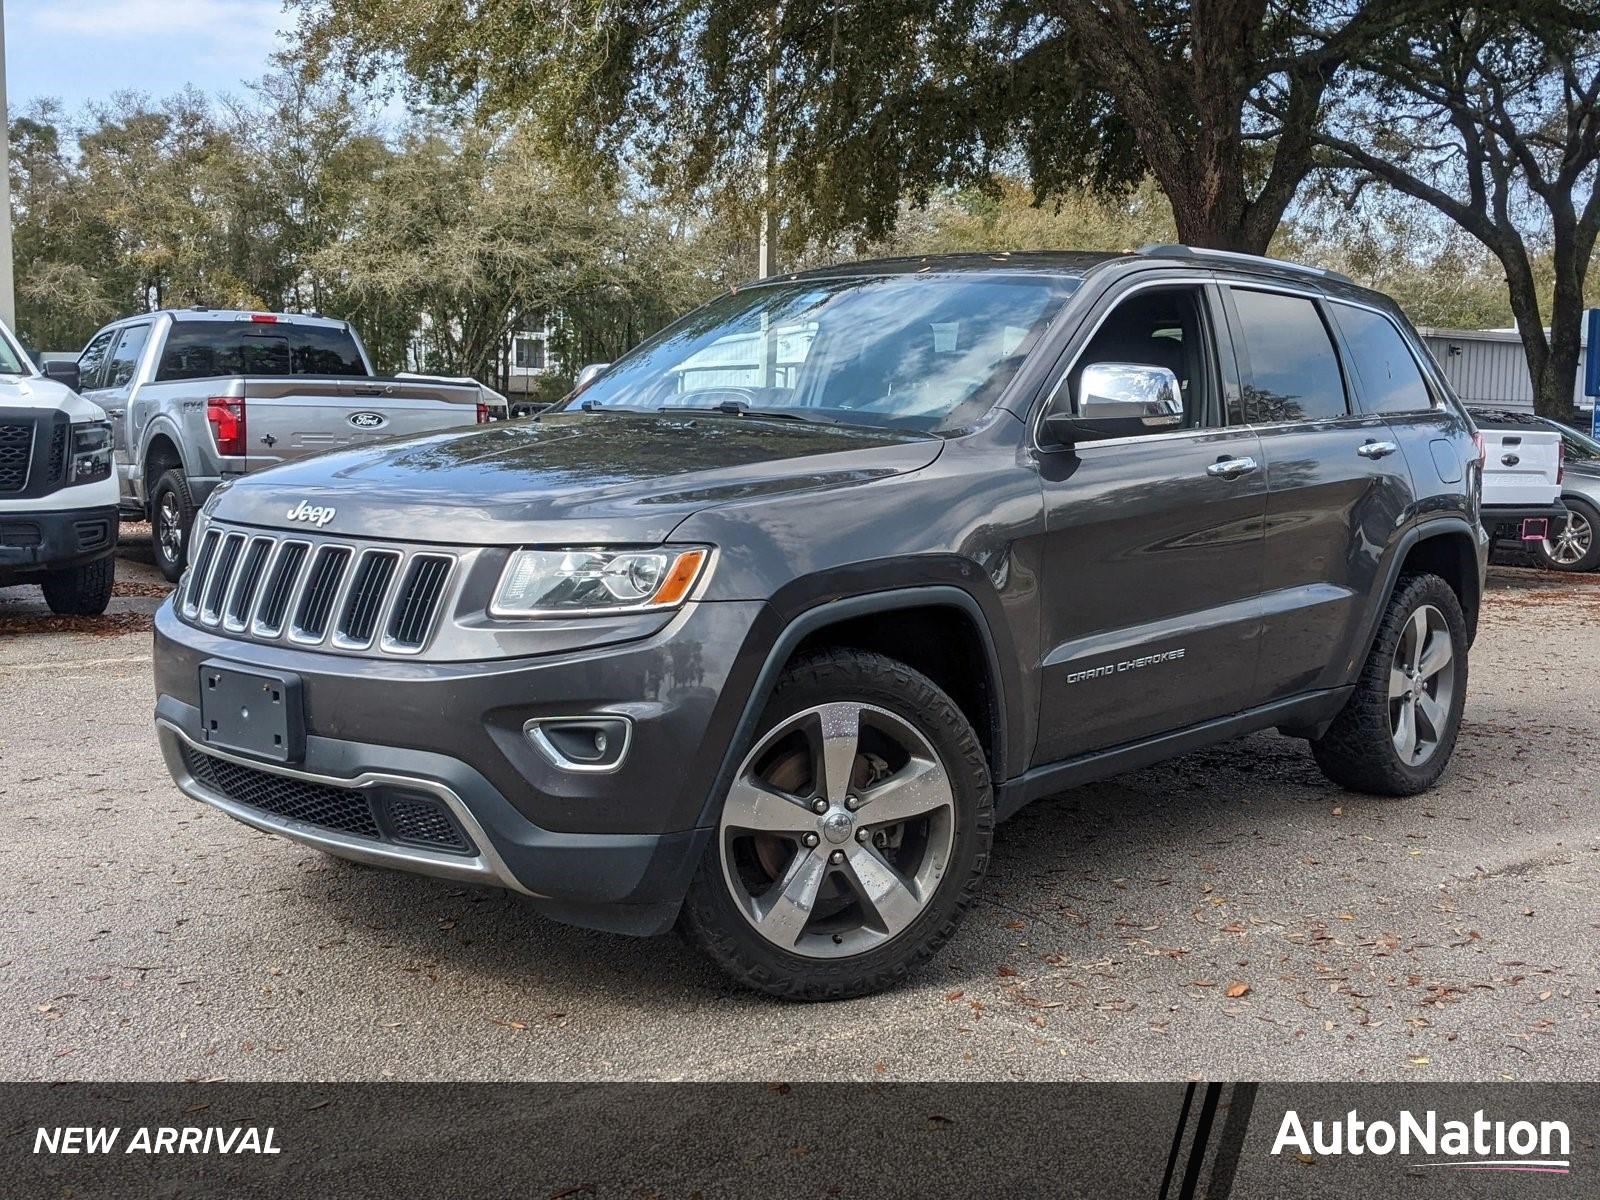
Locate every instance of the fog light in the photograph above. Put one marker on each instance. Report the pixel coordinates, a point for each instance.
(581, 743)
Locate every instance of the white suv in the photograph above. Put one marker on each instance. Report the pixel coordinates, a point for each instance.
(58, 498)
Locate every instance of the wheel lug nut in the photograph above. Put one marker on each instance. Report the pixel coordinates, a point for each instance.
(863, 835)
(852, 802)
(836, 857)
(810, 839)
(819, 805)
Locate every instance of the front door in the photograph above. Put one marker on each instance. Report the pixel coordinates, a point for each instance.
(1153, 550)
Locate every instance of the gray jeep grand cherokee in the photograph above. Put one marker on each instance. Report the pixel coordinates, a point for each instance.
(764, 630)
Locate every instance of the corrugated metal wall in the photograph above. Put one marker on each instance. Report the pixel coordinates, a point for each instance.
(1487, 367)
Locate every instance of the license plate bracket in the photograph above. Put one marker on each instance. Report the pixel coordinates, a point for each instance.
(1535, 529)
(254, 712)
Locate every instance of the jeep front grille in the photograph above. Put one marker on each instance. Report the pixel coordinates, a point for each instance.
(316, 592)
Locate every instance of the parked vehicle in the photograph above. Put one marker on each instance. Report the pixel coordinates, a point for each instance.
(199, 396)
(1522, 477)
(1572, 545)
(766, 651)
(58, 500)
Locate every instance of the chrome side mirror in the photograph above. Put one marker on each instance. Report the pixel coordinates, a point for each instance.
(1120, 400)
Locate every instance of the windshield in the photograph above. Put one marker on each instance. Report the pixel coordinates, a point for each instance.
(921, 352)
(1580, 446)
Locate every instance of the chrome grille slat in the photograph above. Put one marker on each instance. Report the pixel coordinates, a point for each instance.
(421, 598)
(304, 590)
(221, 576)
(369, 586)
(200, 571)
(282, 586)
(314, 609)
(247, 580)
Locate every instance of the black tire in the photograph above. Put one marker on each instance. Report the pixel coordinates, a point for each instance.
(1359, 750)
(712, 920)
(81, 591)
(1584, 516)
(172, 513)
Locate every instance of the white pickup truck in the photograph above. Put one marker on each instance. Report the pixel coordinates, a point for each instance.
(1522, 472)
(58, 500)
(198, 396)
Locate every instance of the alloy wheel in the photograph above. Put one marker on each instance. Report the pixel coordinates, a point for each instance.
(837, 830)
(1421, 686)
(1573, 542)
(169, 528)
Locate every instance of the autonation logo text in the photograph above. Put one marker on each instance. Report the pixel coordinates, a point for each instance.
(1479, 1144)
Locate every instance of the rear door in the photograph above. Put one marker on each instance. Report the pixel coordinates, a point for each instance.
(1337, 487)
(1152, 555)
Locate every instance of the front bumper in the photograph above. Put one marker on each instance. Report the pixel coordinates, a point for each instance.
(613, 850)
(37, 542)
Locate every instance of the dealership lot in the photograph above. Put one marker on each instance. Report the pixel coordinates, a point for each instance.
(1228, 914)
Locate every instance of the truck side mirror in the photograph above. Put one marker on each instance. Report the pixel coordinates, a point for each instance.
(1119, 400)
(64, 372)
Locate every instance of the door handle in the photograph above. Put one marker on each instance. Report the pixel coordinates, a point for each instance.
(1377, 449)
(1231, 468)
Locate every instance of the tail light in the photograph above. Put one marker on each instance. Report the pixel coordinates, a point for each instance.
(483, 413)
(226, 414)
(1482, 447)
(1561, 461)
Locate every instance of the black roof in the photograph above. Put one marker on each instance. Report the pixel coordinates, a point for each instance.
(1079, 263)
(1054, 262)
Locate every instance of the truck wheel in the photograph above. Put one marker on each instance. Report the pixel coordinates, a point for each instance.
(172, 511)
(81, 591)
(1395, 734)
(853, 837)
(1576, 545)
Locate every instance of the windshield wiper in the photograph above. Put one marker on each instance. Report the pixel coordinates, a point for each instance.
(734, 408)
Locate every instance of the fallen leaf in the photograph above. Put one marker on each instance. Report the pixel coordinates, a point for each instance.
(955, 995)
(1420, 1060)
(1235, 990)
(1006, 972)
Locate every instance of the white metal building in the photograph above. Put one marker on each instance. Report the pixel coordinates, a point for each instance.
(1486, 366)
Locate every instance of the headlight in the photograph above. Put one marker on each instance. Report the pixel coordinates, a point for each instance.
(91, 452)
(574, 583)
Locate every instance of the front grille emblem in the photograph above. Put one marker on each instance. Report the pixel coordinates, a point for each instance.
(312, 514)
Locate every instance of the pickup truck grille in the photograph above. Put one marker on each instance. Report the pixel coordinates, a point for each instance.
(312, 592)
(16, 448)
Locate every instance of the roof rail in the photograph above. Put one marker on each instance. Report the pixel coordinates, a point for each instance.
(1174, 250)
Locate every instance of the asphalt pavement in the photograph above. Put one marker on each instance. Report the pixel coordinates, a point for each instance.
(1230, 914)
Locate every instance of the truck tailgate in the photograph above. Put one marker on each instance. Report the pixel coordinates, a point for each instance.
(1522, 466)
(293, 416)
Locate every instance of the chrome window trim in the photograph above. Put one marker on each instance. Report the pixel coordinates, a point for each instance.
(487, 867)
(1050, 398)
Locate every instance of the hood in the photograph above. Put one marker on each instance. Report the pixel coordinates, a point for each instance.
(35, 391)
(572, 477)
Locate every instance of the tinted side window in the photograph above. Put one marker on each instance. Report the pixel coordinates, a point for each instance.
(93, 359)
(125, 358)
(206, 349)
(1293, 370)
(1391, 381)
